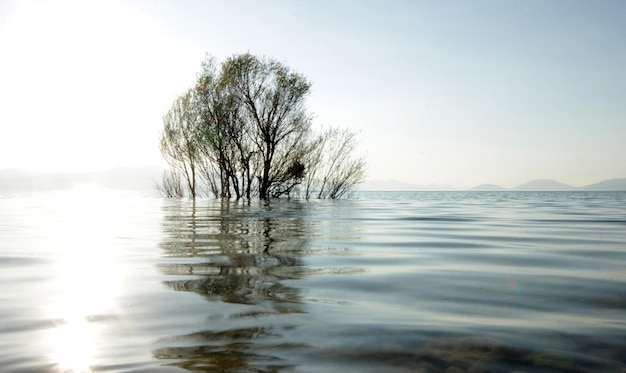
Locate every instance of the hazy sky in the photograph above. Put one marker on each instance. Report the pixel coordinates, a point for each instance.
(444, 92)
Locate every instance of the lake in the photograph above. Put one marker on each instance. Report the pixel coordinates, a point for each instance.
(101, 280)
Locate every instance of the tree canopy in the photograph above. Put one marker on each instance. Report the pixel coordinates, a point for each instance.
(243, 130)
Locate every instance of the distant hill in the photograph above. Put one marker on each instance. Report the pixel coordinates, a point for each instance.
(395, 185)
(488, 188)
(607, 185)
(131, 178)
(544, 185)
(539, 185)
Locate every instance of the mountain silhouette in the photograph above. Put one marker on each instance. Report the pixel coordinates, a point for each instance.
(131, 178)
(488, 188)
(544, 185)
(607, 185)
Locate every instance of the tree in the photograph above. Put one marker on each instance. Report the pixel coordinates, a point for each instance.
(171, 185)
(245, 130)
(180, 143)
(334, 168)
(221, 130)
(271, 97)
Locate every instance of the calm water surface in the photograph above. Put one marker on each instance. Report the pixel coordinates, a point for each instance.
(97, 280)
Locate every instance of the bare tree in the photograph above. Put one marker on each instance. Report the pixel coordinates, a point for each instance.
(209, 177)
(215, 117)
(180, 144)
(171, 185)
(335, 169)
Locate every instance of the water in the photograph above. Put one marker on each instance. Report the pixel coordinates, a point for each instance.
(99, 280)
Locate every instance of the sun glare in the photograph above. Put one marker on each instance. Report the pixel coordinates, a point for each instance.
(71, 57)
(86, 277)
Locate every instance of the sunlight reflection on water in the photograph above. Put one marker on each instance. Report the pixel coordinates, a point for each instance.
(86, 274)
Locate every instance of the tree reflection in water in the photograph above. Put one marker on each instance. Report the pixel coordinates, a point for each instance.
(240, 254)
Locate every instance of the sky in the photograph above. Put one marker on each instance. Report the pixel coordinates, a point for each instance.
(441, 92)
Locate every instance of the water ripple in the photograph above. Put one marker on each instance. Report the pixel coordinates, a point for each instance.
(437, 282)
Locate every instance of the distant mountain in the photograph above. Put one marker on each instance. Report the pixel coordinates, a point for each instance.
(544, 185)
(488, 188)
(539, 185)
(607, 185)
(131, 178)
(396, 185)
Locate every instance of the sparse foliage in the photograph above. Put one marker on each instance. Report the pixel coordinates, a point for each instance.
(180, 143)
(334, 170)
(171, 185)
